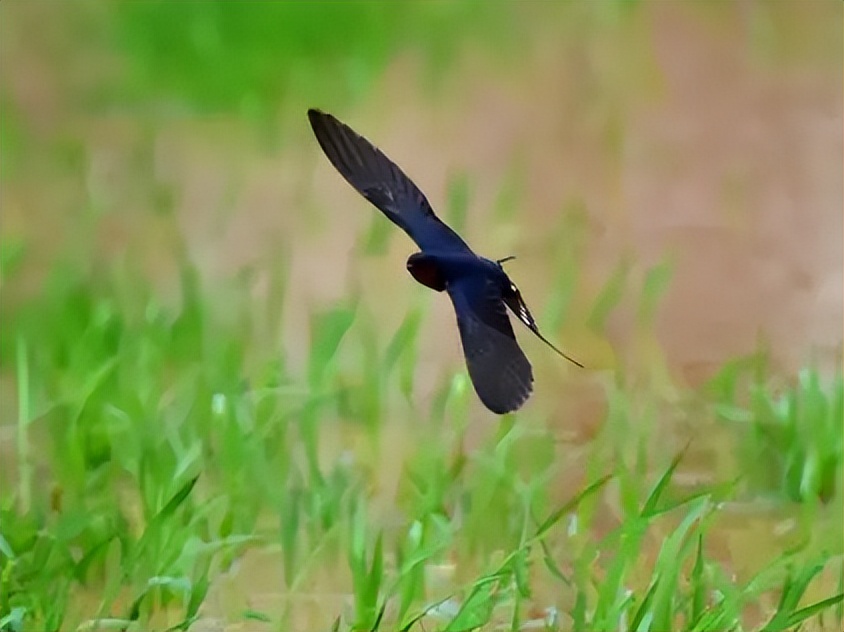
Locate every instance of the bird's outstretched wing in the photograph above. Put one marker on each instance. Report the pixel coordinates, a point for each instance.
(381, 182)
(500, 372)
(513, 299)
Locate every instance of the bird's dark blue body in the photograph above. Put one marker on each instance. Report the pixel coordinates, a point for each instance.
(478, 287)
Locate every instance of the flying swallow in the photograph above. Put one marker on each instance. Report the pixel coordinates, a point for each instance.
(478, 287)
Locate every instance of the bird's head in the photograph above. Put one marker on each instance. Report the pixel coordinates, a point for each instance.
(426, 271)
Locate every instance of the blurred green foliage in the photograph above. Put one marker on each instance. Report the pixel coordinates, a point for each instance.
(252, 56)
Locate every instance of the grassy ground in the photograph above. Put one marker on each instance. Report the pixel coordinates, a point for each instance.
(173, 457)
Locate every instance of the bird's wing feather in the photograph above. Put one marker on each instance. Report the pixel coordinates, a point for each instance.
(380, 181)
(500, 372)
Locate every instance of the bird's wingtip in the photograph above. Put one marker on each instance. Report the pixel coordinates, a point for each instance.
(314, 114)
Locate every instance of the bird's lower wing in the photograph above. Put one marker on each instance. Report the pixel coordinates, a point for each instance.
(500, 372)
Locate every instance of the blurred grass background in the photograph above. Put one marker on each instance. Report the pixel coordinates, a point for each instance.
(224, 405)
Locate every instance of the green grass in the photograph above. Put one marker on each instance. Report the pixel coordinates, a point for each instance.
(156, 444)
(791, 433)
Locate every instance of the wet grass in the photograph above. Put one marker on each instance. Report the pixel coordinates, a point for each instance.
(157, 444)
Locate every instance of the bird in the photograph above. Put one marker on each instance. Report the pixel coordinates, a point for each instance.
(479, 288)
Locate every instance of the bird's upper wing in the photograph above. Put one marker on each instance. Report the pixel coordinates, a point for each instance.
(381, 182)
(500, 372)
